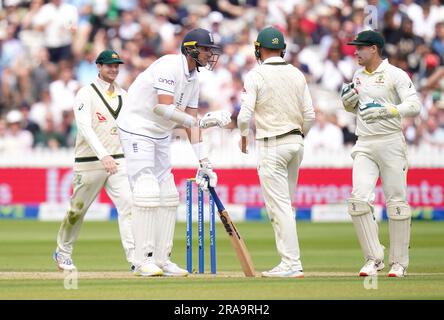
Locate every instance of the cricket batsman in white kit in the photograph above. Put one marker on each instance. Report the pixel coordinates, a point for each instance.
(99, 160)
(278, 96)
(161, 98)
(380, 95)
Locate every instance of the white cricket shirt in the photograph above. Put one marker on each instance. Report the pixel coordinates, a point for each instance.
(168, 75)
(387, 84)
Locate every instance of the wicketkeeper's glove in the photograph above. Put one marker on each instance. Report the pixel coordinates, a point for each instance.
(374, 111)
(205, 175)
(349, 96)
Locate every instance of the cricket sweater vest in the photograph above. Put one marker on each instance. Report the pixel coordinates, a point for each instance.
(280, 101)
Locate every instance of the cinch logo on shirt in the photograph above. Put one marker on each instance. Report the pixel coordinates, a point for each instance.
(169, 82)
(100, 117)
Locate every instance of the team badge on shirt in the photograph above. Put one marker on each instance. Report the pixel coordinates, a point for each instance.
(380, 79)
(100, 117)
(113, 131)
(357, 81)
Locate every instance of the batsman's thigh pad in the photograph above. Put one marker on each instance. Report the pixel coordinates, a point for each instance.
(169, 197)
(358, 207)
(146, 191)
(398, 211)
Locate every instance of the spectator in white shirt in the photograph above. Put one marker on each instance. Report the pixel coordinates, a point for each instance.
(58, 21)
(323, 135)
(165, 29)
(129, 26)
(16, 140)
(63, 93)
(433, 134)
(336, 70)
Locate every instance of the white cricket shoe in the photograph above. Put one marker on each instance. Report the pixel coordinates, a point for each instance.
(171, 269)
(283, 271)
(63, 263)
(147, 269)
(371, 268)
(397, 271)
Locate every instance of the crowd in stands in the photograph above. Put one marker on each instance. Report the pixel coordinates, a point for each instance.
(48, 48)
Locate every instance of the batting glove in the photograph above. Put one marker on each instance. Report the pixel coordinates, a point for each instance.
(205, 175)
(349, 96)
(215, 118)
(375, 111)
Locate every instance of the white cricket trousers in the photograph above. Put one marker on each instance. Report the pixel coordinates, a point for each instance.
(385, 157)
(154, 220)
(86, 187)
(278, 168)
(380, 156)
(146, 155)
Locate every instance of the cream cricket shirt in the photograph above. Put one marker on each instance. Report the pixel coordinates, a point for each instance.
(277, 94)
(97, 134)
(387, 84)
(168, 75)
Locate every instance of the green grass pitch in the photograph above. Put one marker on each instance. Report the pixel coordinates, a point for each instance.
(330, 256)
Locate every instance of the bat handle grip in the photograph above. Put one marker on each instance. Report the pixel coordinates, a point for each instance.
(216, 199)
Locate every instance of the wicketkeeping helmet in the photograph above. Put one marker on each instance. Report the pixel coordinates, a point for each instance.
(200, 38)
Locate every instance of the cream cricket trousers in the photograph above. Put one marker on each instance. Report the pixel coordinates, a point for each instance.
(384, 157)
(278, 168)
(86, 187)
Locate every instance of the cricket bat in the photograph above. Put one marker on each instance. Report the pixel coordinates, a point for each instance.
(236, 240)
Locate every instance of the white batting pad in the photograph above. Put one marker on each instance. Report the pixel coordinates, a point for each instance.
(143, 226)
(146, 191)
(165, 223)
(367, 229)
(399, 215)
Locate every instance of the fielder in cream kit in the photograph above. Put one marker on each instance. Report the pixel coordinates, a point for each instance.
(380, 95)
(278, 96)
(99, 160)
(161, 98)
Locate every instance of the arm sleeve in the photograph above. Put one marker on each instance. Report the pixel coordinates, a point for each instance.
(248, 103)
(83, 116)
(410, 105)
(164, 80)
(309, 114)
(194, 101)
